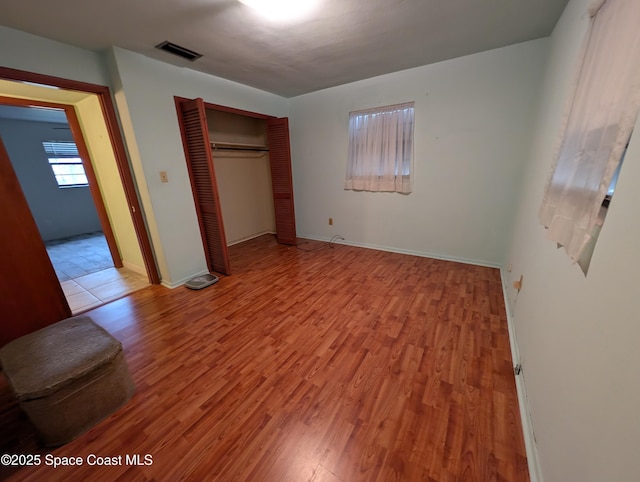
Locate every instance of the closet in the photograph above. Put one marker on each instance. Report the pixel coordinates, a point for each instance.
(239, 165)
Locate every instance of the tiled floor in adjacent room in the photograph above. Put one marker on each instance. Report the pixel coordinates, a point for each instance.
(97, 288)
(79, 255)
(85, 269)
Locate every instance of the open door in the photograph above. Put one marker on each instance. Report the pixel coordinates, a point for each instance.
(195, 137)
(32, 297)
(281, 179)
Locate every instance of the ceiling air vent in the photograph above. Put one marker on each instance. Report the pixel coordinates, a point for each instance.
(179, 51)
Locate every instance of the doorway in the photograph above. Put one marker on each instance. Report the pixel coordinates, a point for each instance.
(44, 155)
(94, 118)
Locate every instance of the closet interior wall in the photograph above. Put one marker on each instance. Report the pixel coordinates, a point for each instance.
(241, 162)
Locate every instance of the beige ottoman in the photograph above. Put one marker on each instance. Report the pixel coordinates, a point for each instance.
(67, 377)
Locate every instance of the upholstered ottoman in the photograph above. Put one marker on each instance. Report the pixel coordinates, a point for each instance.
(67, 377)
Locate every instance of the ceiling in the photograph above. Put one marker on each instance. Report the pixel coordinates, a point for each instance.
(343, 41)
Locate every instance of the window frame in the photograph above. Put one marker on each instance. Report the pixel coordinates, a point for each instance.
(65, 153)
(381, 149)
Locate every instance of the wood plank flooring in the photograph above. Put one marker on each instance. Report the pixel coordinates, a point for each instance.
(323, 363)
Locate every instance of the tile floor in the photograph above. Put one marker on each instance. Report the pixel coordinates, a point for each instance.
(86, 272)
(79, 255)
(97, 288)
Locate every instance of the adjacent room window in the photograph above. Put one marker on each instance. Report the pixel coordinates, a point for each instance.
(599, 120)
(65, 163)
(381, 149)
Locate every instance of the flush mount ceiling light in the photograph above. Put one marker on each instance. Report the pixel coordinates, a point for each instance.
(282, 9)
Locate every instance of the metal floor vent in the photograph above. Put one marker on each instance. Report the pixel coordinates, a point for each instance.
(176, 49)
(200, 282)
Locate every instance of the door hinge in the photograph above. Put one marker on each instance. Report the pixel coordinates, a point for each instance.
(517, 369)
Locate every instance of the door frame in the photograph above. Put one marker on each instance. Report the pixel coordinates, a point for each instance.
(277, 196)
(117, 144)
(94, 188)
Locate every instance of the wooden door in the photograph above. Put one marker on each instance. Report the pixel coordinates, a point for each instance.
(195, 137)
(281, 179)
(30, 294)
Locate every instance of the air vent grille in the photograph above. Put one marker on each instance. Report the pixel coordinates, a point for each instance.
(175, 49)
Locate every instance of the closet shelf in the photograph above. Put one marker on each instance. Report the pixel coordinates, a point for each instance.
(234, 146)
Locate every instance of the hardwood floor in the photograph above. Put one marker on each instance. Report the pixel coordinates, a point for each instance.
(312, 364)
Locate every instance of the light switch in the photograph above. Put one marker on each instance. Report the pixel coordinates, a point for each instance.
(163, 176)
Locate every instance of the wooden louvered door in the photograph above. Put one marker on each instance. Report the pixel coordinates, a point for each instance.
(281, 179)
(30, 294)
(195, 136)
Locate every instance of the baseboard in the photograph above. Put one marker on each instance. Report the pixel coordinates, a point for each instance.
(422, 254)
(248, 238)
(178, 283)
(533, 461)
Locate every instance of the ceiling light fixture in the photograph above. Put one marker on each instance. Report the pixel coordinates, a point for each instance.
(282, 9)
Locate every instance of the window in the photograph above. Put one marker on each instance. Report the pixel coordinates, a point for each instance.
(599, 120)
(381, 149)
(65, 163)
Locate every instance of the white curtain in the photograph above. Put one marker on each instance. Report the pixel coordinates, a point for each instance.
(597, 125)
(381, 149)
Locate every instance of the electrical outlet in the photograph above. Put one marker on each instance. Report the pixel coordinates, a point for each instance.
(164, 177)
(330, 221)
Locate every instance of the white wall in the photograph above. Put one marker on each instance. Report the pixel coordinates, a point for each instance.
(59, 213)
(243, 177)
(246, 197)
(578, 336)
(144, 91)
(28, 52)
(473, 117)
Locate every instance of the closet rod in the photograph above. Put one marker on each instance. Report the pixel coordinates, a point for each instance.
(236, 147)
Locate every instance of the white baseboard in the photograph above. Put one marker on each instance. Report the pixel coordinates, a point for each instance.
(422, 254)
(533, 461)
(178, 283)
(253, 236)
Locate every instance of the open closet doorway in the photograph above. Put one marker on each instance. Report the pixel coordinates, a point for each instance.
(239, 164)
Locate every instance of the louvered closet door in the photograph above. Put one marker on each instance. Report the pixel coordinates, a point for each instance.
(30, 294)
(203, 183)
(281, 179)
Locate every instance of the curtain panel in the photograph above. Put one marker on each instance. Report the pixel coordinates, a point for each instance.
(597, 125)
(381, 149)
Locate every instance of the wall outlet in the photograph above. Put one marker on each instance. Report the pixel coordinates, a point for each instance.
(330, 221)
(164, 177)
